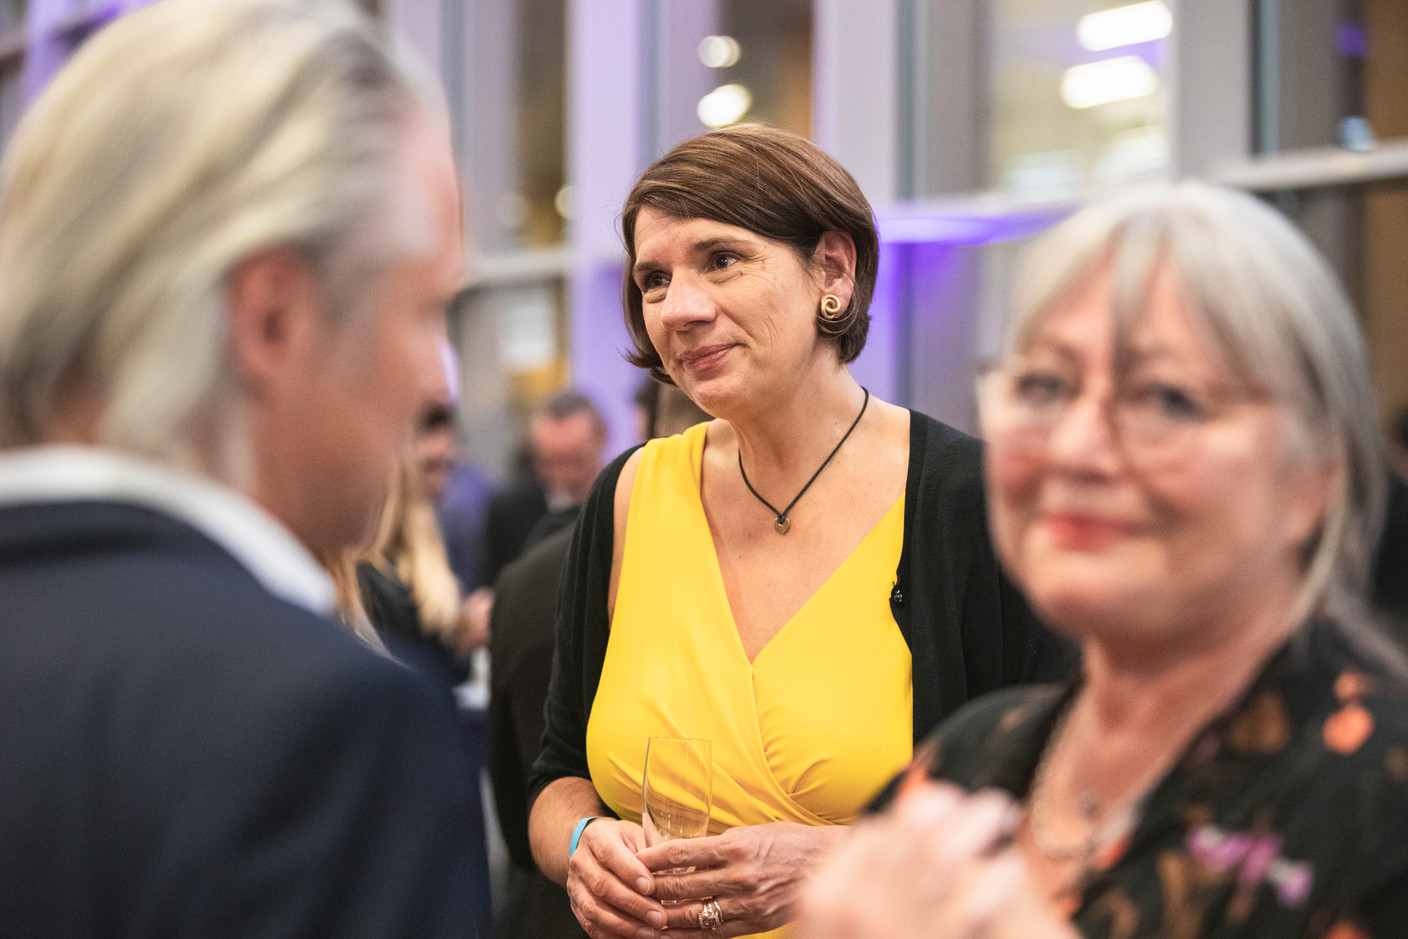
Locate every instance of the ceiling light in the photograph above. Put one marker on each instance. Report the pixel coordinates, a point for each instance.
(726, 104)
(1125, 26)
(719, 51)
(1085, 86)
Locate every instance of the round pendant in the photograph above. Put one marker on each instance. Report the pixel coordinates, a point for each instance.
(782, 523)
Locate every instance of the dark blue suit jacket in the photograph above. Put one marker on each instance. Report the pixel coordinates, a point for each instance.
(184, 755)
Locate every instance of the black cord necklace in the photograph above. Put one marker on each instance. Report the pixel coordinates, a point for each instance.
(781, 521)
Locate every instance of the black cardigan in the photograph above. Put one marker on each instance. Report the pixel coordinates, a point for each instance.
(968, 630)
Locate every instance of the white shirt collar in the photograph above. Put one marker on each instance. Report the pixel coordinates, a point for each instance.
(254, 537)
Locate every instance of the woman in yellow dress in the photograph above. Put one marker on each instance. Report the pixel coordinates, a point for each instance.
(806, 581)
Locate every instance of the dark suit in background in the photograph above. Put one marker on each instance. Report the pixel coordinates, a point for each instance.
(508, 523)
(461, 511)
(182, 754)
(520, 645)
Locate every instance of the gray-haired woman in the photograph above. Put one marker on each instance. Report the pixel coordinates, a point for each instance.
(1184, 474)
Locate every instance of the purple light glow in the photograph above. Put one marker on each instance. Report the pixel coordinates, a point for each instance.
(965, 226)
(79, 28)
(1352, 40)
(1061, 49)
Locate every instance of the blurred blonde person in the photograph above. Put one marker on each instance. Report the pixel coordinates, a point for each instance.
(401, 590)
(406, 587)
(341, 568)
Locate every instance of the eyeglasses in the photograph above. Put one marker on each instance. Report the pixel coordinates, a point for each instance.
(1157, 423)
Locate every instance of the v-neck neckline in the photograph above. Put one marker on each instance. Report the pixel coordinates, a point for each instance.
(716, 571)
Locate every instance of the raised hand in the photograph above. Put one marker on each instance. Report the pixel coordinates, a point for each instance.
(939, 863)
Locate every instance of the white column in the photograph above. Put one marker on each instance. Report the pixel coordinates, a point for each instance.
(945, 96)
(482, 88)
(605, 155)
(1210, 83)
(681, 78)
(855, 112)
(854, 90)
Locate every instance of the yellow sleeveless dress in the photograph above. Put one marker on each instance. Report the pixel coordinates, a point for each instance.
(810, 729)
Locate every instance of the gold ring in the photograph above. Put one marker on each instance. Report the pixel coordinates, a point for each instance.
(711, 917)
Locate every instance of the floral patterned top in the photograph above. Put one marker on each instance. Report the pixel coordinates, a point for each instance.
(1286, 816)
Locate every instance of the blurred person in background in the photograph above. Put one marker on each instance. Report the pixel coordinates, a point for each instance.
(567, 436)
(566, 441)
(435, 449)
(398, 594)
(1184, 473)
(644, 402)
(673, 412)
(458, 489)
(228, 234)
(412, 599)
(521, 647)
(663, 410)
(805, 580)
(409, 592)
(460, 492)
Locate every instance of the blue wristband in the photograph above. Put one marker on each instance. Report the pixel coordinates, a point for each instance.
(577, 832)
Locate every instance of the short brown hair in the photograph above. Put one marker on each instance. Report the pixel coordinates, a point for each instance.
(776, 185)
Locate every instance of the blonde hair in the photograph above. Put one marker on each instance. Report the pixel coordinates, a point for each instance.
(179, 140)
(408, 544)
(341, 566)
(1273, 309)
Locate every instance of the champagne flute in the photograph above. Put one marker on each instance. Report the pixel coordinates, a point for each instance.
(678, 788)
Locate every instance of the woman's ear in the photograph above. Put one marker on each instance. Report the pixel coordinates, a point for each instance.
(836, 254)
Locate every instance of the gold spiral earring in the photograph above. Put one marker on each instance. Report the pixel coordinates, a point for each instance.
(831, 308)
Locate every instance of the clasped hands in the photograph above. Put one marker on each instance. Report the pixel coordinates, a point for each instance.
(620, 888)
